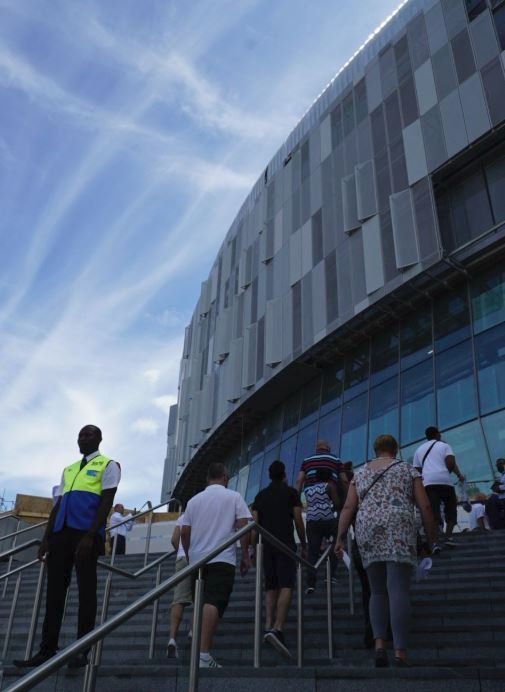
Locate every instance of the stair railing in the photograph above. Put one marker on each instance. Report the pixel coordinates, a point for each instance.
(99, 633)
(40, 580)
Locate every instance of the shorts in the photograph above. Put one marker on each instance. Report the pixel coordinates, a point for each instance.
(218, 580)
(183, 592)
(446, 495)
(279, 570)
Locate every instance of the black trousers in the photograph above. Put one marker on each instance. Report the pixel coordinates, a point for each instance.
(121, 544)
(60, 560)
(316, 531)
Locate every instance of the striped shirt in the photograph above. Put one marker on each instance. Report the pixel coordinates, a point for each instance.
(311, 464)
(319, 505)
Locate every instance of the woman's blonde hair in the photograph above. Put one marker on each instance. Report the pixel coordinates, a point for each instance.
(385, 443)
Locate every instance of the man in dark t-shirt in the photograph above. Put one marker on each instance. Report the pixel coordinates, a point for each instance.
(276, 508)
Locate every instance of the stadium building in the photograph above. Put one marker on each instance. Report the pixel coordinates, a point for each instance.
(361, 286)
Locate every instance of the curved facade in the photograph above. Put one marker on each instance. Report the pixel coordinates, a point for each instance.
(361, 287)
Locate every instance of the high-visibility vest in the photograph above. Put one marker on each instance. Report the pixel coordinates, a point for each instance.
(82, 489)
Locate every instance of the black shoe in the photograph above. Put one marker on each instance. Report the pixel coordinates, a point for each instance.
(368, 638)
(401, 663)
(77, 661)
(276, 639)
(381, 658)
(36, 660)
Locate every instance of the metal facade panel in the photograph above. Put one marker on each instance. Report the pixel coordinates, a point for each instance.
(415, 155)
(404, 231)
(474, 107)
(365, 190)
(425, 87)
(273, 332)
(453, 122)
(484, 41)
(372, 249)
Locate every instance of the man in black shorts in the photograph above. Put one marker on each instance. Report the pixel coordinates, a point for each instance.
(276, 508)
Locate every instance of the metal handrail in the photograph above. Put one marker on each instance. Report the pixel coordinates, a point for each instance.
(8, 515)
(25, 530)
(99, 633)
(19, 549)
(139, 572)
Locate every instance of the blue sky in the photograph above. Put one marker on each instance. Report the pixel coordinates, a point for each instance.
(130, 133)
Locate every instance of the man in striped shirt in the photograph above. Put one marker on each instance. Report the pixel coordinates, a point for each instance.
(323, 458)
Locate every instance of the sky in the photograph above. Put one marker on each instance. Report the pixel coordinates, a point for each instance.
(131, 131)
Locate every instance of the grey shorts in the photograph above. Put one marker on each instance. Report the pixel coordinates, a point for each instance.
(183, 591)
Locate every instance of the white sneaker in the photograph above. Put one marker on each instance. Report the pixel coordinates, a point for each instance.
(209, 662)
(172, 649)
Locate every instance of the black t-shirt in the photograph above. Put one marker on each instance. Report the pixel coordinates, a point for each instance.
(275, 506)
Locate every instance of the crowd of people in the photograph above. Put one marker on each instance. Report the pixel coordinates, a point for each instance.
(381, 501)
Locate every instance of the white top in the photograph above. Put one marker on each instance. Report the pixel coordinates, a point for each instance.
(180, 549)
(117, 518)
(110, 477)
(212, 515)
(434, 470)
(478, 511)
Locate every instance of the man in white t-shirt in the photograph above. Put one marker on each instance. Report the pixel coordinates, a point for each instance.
(211, 517)
(118, 533)
(183, 595)
(435, 461)
(478, 518)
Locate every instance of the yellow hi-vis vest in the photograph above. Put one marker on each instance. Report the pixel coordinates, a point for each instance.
(82, 489)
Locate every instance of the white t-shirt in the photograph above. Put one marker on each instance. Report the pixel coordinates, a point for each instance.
(212, 515)
(110, 477)
(117, 518)
(180, 549)
(478, 512)
(434, 470)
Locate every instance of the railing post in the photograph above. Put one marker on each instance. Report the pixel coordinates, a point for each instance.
(351, 574)
(154, 622)
(194, 663)
(9, 565)
(35, 611)
(148, 534)
(11, 617)
(258, 602)
(329, 607)
(299, 602)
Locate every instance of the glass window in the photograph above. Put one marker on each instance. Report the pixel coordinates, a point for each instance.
(272, 427)
(232, 483)
(403, 68)
(360, 99)
(490, 356)
(378, 131)
(291, 414)
(356, 371)
(383, 417)
(417, 401)
(456, 396)
(385, 355)
(382, 174)
(475, 7)
(243, 476)
(317, 237)
(305, 160)
(311, 397)
(398, 166)
(488, 300)
(333, 383)
(254, 481)
(407, 453)
(469, 448)
(463, 56)
(416, 337)
(348, 114)
(451, 318)
(499, 20)
(287, 455)
(408, 102)
(329, 429)
(495, 175)
(494, 86)
(494, 430)
(306, 445)
(336, 126)
(353, 442)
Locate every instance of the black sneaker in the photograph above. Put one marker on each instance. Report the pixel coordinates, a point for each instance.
(276, 639)
(381, 658)
(36, 660)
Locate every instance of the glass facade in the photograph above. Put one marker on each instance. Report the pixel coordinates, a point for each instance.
(443, 365)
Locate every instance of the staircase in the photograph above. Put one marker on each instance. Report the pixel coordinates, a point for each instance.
(457, 640)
